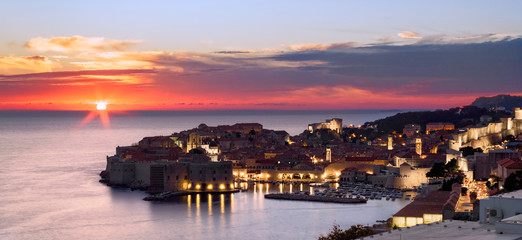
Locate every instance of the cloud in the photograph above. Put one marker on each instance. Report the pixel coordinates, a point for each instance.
(19, 65)
(438, 68)
(409, 35)
(386, 40)
(444, 39)
(78, 44)
(76, 78)
(77, 73)
(337, 75)
(232, 52)
(332, 46)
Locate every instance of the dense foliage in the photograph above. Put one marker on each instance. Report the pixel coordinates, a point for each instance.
(458, 116)
(513, 181)
(492, 182)
(441, 170)
(446, 185)
(355, 231)
(466, 151)
(322, 137)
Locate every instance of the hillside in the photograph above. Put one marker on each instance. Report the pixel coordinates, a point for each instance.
(506, 101)
(459, 116)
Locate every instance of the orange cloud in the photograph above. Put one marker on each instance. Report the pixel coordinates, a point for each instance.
(20, 65)
(78, 43)
(409, 35)
(127, 60)
(304, 47)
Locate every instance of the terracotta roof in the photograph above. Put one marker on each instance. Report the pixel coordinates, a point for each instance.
(510, 163)
(431, 204)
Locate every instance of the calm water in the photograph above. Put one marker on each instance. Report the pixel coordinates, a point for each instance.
(49, 182)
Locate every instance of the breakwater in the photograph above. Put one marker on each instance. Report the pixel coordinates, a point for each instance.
(302, 197)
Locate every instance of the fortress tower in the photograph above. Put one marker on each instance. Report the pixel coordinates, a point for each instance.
(418, 146)
(328, 154)
(518, 113)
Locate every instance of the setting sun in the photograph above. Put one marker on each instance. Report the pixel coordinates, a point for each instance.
(101, 105)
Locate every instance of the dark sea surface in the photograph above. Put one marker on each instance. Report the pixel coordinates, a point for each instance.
(49, 185)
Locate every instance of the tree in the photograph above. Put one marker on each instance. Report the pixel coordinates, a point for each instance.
(510, 138)
(437, 171)
(441, 170)
(452, 166)
(466, 151)
(492, 182)
(355, 231)
(513, 181)
(446, 185)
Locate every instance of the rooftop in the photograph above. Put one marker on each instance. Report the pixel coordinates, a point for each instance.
(511, 163)
(448, 229)
(514, 194)
(431, 204)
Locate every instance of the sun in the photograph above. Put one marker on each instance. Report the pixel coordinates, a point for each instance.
(101, 105)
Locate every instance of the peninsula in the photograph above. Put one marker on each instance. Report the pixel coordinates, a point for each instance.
(399, 152)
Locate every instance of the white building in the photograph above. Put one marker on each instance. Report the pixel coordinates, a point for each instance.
(498, 207)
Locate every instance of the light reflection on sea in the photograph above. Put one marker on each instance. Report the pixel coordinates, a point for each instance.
(50, 190)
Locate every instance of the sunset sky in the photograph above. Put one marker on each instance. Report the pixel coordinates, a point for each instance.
(198, 55)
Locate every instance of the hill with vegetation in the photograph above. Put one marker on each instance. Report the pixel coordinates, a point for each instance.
(506, 101)
(460, 116)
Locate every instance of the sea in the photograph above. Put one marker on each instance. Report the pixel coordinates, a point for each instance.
(49, 171)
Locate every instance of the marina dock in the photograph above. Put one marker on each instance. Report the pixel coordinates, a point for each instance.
(302, 197)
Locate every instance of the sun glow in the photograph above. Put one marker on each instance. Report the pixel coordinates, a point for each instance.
(101, 112)
(101, 105)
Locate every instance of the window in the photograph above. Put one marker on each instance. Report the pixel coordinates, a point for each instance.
(177, 177)
(225, 178)
(213, 179)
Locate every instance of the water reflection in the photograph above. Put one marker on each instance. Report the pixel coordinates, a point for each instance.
(259, 189)
(222, 202)
(209, 204)
(222, 205)
(219, 213)
(189, 204)
(198, 205)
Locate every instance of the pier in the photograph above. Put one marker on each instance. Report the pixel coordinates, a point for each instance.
(302, 197)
